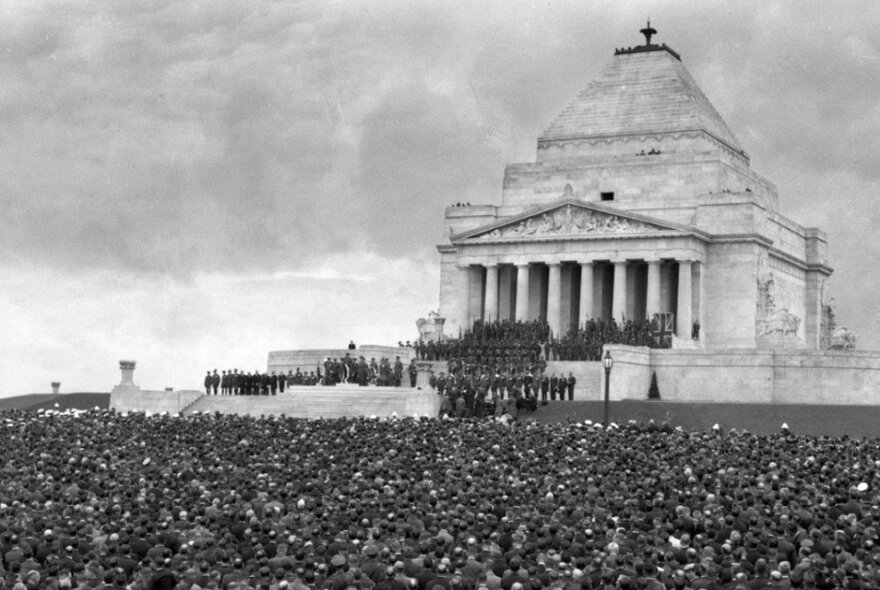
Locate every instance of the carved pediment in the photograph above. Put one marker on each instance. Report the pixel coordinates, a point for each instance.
(566, 220)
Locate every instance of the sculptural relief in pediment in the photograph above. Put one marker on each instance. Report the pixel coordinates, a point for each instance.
(568, 221)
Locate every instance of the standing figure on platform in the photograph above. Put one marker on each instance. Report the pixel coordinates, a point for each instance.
(398, 372)
(208, 382)
(326, 371)
(571, 383)
(413, 371)
(362, 372)
(215, 381)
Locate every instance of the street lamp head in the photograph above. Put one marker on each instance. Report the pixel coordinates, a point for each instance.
(607, 361)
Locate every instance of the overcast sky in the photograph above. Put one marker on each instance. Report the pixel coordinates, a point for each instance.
(191, 184)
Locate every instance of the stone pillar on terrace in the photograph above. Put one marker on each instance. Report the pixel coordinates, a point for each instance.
(653, 295)
(490, 312)
(618, 302)
(554, 297)
(684, 321)
(127, 384)
(522, 292)
(586, 301)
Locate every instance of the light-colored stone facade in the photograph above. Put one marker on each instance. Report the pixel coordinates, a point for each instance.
(640, 201)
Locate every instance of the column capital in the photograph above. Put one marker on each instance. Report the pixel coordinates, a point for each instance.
(623, 262)
(490, 264)
(553, 263)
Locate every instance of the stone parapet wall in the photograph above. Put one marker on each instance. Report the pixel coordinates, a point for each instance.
(155, 402)
(326, 402)
(308, 360)
(748, 375)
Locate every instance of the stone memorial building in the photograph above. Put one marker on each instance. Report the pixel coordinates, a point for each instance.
(641, 203)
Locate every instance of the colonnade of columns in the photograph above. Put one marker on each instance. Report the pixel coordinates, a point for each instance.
(651, 297)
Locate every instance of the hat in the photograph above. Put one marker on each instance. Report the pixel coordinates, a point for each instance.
(338, 561)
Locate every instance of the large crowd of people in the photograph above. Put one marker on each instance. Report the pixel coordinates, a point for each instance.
(520, 345)
(105, 500)
(496, 361)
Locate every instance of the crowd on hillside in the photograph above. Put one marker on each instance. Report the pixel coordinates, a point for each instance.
(103, 500)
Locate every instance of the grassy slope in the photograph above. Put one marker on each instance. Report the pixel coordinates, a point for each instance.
(78, 401)
(856, 421)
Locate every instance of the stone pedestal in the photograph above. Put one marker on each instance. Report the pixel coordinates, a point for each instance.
(56, 385)
(127, 384)
(424, 375)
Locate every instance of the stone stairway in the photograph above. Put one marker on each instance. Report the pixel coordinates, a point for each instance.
(587, 373)
(325, 402)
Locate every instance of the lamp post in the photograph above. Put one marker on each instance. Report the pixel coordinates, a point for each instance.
(607, 362)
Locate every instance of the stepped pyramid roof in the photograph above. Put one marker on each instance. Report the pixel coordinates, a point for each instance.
(644, 90)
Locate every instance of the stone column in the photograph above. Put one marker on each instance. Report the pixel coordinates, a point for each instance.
(653, 295)
(684, 321)
(463, 297)
(56, 387)
(618, 302)
(490, 312)
(554, 297)
(522, 292)
(586, 302)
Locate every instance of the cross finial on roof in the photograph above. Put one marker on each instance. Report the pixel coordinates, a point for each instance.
(648, 32)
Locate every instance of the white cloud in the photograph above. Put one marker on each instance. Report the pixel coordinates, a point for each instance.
(74, 327)
(174, 175)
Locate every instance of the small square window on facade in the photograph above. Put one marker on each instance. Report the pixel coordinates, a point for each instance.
(608, 196)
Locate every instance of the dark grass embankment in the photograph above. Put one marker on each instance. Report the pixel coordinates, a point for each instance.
(65, 401)
(855, 421)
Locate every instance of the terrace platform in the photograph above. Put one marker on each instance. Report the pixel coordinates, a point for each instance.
(324, 402)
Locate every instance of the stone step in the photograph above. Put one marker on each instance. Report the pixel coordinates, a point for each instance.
(587, 373)
(325, 402)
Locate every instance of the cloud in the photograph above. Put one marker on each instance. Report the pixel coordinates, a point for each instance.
(75, 326)
(164, 142)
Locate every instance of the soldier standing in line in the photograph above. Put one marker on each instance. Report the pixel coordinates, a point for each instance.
(208, 382)
(215, 381)
(571, 383)
(398, 372)
(413, 370)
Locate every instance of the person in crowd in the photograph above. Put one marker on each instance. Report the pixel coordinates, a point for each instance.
(106, 500)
